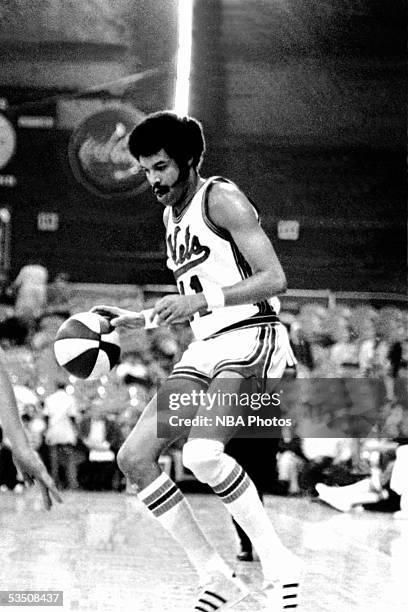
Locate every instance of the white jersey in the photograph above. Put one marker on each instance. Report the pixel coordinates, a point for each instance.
(202, 255)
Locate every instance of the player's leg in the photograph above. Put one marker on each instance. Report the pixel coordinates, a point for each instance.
(139, 454)
(253, 454)
(138, 460)
(204, 455)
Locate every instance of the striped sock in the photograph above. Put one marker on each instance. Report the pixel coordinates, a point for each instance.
(240, 496)
(166, 502)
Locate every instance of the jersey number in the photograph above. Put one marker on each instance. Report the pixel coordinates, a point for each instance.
(197, 287)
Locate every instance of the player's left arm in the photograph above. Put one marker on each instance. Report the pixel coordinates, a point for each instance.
(231, 210)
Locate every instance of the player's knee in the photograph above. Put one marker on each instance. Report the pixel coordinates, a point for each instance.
(123, 459)
(131, 462)
(203, 458)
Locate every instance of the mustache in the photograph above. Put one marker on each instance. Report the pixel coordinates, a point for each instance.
(160, 189)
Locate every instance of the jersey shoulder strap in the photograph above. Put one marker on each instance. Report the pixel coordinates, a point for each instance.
(220, 231)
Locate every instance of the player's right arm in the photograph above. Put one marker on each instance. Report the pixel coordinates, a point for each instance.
(26, 459)
(122, 318)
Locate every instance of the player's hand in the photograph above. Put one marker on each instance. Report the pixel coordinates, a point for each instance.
(120, 317)
(32, 468)
(178, 308)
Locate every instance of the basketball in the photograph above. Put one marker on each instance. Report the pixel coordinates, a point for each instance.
(87, 346)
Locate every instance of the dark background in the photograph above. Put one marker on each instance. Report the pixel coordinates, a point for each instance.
(303, 104)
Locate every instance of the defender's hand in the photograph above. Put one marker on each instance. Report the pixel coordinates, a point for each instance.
(32, 468)
(178, 308)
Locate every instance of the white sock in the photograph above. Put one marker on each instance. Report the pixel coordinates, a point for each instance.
(166, 502)
(240, 496)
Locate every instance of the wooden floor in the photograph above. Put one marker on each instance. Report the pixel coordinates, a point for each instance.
(106, 553)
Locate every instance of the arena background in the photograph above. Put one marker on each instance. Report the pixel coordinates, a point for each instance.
(303, 105)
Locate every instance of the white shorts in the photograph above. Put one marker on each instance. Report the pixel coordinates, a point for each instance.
(260, 352)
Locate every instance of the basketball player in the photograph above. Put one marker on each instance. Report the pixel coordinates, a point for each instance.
(227, 272)
(28, 462)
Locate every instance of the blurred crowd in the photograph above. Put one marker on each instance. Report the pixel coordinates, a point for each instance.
(78, 426)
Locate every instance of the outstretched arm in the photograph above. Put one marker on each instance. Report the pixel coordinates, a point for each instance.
(26, 459)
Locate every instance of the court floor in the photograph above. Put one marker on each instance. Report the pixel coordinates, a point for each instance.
(106, 553)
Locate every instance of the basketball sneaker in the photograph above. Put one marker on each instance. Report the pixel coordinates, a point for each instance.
(283, 594)
(221, 592)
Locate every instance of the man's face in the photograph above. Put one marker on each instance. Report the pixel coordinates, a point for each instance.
(163, 175)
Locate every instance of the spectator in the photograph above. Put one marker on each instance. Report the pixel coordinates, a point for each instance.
(328, 460)
(133, 370)
(290, 463)
(31, 293)
(6, 291)
(343, 354)
(102, 436)
(61, 437)
(345, 498)
(13, 332)
(59, 295)
(372, 491)
(301, 348)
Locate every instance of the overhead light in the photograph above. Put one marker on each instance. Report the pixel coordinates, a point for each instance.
(185, 26)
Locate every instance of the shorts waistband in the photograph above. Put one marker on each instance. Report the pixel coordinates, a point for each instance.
(255, 321)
